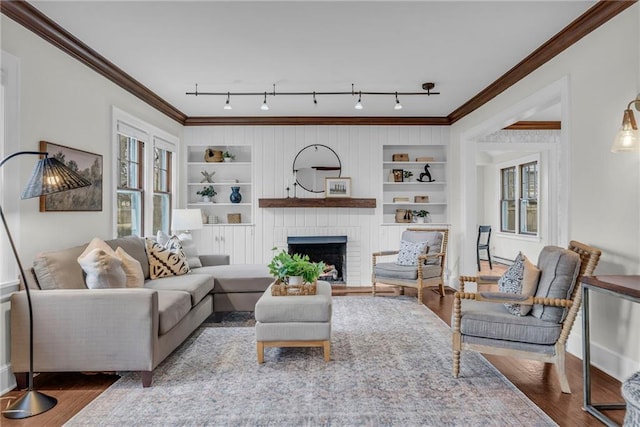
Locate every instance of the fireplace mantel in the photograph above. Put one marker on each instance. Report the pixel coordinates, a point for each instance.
(294, 202)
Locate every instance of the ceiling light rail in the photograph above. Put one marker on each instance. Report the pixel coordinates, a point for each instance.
(427, 87)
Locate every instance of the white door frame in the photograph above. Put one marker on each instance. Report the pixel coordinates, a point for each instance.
(559, 220)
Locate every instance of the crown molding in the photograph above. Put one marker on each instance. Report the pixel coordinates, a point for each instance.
(535, 125)
(315, 120)
(597, 15)
(32, 19)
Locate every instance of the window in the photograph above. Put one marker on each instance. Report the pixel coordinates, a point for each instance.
(145, 159)
(161, 189)
(130, 191)
(519, 184)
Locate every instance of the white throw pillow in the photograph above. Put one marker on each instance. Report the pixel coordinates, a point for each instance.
(132, 269)
(409, 252)
(168, 260)
(521, 278)
(103, 270)
(190, 250)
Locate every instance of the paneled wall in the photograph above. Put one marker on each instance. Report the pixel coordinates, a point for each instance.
(274, 149)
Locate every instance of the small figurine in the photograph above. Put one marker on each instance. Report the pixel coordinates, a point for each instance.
(426, 175)
(208, 177)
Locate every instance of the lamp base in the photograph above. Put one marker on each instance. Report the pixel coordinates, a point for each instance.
(32, 403)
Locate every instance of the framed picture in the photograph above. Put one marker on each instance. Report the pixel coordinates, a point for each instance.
(398, 175)
(337, 187)
(89, 165)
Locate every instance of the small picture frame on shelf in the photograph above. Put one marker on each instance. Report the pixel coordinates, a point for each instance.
(398, 175)
(337, 187)
(234, 218)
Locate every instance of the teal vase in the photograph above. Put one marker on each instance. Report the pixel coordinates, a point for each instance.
(235, 195)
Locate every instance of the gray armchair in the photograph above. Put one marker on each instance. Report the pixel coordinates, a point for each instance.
(481, 322)
(429, 270)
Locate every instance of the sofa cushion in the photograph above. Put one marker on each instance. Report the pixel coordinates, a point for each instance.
(132, 269)
(196, 285)
(238, 277)
(172, 307)
(282, 309)
(559, 269)
(404, 272)
(103, 269)
(188, 245)
(168, 260)
(134, 246)
(520, 278)
(59, 269)
(494, 321)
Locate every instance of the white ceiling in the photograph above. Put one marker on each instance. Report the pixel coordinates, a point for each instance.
(385, 46)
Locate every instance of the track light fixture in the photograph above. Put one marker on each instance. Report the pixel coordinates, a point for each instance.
(628, 137)
(427, 87)
(227, 106)
(358, 105)
(264, 106)
(398, 106)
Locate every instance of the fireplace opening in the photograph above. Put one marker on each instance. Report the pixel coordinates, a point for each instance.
(332, 250)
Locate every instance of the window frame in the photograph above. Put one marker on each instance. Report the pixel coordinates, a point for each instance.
(518, 165)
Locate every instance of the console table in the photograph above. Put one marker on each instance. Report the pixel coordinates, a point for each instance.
(626, 287)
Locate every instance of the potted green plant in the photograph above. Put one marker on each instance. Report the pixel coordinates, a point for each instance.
(421, 216)
(294, 269)
(407, 174)
(227, 156)
(207, 193)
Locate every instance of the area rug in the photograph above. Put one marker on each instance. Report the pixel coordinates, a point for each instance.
(390, 366)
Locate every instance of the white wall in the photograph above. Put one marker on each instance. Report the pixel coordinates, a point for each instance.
(360, 151)
(64, 102)
(603, 75)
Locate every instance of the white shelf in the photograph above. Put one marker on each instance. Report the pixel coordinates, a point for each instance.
(415, 224)
(219, 164)
(229, 184)
(412, 164)
(417, 183)
(226, 224)
(210, 204)
(414, 204)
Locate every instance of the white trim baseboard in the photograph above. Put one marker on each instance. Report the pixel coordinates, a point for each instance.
(7, 379)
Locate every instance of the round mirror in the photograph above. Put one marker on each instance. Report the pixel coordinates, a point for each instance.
(313, 164)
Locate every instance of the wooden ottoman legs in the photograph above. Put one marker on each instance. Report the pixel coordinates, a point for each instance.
(326, 346)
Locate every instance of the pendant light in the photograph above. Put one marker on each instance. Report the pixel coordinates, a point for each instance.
(398, 106)
(628, 137)
(227, 106)
(358, 105)
(264, 106)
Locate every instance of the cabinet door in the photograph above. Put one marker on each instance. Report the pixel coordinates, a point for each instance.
(238, 243)
(204, 241)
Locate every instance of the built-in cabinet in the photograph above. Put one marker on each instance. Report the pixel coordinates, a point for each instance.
(235, 241)
(401, 193)
(225, 176)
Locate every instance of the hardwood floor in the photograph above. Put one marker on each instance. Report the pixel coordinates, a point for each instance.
(536, 380)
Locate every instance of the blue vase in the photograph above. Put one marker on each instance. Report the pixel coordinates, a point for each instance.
(235, 195)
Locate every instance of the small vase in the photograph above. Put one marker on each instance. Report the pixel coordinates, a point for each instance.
(206, 199)
(227, 159)
(419, 220)
(235, 195)
(295, 280)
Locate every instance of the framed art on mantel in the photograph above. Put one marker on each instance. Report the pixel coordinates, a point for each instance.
(337, 187)
(89, 165)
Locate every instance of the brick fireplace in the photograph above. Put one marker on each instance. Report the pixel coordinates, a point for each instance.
(332, 250)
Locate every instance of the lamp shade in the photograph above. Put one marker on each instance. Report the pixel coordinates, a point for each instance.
(628, 137)
(186, 219)
(50, 176)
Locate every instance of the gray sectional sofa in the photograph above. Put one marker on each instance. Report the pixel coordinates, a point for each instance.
(77, 329)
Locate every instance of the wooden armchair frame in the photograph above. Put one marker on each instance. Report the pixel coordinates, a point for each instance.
(589, 257)
(420, 282)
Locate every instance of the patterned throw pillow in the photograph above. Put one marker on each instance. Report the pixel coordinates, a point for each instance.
(409, 252)
(188, 245)
(521, 278)
(167, 260)
(103, 269)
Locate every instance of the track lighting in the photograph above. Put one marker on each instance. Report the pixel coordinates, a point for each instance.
(358, 105)
(398, 106)
(427, 87)
(227, 106)
(628, 137)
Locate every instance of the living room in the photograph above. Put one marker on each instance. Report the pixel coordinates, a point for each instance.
(596, 198)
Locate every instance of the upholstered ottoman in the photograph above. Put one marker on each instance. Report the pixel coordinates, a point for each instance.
(631, 394)
(294, 321)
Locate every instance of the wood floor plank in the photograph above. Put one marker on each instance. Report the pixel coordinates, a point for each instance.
(537, 380)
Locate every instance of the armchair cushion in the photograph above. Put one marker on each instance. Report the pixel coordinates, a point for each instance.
(409, 252)
(522, 279)
(405, 272)
(433, 239)
(559, 270)
(494, 321)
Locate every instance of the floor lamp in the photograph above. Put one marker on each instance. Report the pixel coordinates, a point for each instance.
(49, 176)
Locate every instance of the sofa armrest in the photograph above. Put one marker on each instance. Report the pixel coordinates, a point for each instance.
(209, 260)
(85, 330)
